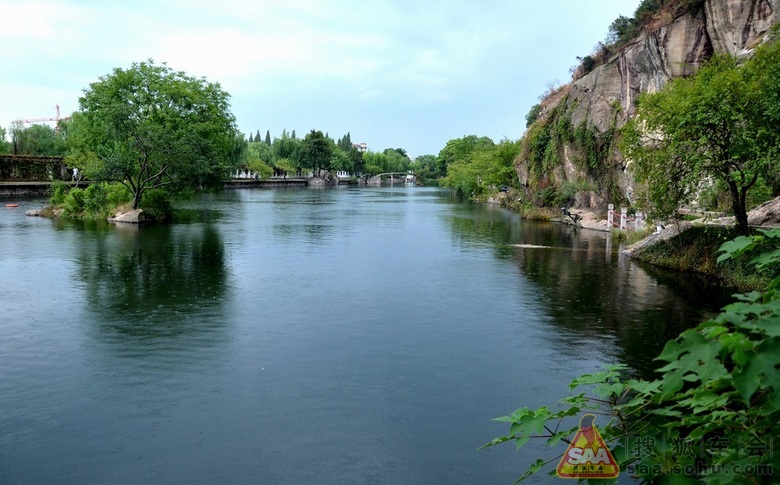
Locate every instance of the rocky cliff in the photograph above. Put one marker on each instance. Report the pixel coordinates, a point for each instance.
(602, 101)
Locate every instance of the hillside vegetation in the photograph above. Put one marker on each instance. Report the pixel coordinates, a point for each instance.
(573, 151)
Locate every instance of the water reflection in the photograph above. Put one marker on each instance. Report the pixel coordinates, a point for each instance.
(190, 352)
(619, 300)
(488, 225)
(590, 291)
(156, 281)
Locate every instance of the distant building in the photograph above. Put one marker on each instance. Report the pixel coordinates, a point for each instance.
(361, 147)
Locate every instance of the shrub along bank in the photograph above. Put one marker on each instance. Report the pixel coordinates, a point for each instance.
(695, 250)
(102, 200)
(710, 416)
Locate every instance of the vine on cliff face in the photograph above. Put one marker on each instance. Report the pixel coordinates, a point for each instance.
(543, 145)
(595, 147)
(544, 141)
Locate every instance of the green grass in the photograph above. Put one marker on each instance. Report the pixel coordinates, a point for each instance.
(630, 237)
(696, 250)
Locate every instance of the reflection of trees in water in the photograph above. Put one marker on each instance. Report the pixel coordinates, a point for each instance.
(94, 227)
(600, 294)
(475, 225)
(312, 233)
(304, 215)
(590, 291)
(155, 281)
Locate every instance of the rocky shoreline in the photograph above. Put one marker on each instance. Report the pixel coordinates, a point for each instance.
(765, 216)
(135, 216)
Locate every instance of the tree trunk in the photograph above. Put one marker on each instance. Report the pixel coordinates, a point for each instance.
(742, 221)
(740, 209)
(136, 199)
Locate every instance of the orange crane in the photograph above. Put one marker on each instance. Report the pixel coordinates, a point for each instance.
(57, 118)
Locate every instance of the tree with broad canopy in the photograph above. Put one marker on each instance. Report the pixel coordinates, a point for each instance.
(316, 151)
(720, 124)
(150, 127)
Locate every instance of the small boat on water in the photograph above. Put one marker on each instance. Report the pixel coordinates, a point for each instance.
(12, 205)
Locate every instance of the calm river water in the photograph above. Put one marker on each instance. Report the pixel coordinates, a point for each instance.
(307, 336)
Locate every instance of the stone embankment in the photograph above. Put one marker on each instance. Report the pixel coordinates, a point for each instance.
(767, 215)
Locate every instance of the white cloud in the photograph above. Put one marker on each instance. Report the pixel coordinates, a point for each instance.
(35, 22)
(311, 60)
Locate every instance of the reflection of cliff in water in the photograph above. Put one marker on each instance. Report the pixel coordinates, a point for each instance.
(595, 292)
(475, 224)
(156, 281)
(588, 289)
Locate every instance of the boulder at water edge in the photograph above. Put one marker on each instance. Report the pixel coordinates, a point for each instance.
(131, 217)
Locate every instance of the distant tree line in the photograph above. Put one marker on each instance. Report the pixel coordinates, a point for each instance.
(475, 166)
(290, 155)
(286, 154)
(471, 164)
(40, 140)
(148, 134)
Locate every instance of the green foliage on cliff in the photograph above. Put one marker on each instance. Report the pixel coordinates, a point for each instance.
(533, 114)
(648, 10)
(544, 144)
(595, 146)
(712, 414)
(650, 14)
(544, 140)
(720, 124)
(622, 29)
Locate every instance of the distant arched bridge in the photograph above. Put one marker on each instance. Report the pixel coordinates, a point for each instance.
(377, 179)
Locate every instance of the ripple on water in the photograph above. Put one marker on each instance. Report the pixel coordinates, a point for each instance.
(357, 335)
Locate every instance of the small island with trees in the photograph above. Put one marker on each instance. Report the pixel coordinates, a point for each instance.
(148, 135)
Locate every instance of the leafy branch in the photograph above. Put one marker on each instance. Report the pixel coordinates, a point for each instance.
(714, 410)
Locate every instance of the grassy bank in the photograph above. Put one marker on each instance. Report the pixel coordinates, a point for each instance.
(630, 237)
(696, 250)
(101, 200)
(693, 251)
(512, 200)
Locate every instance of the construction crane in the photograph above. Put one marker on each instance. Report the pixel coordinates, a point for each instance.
(57, 118)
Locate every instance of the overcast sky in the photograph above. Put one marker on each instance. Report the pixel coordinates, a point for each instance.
(401, 74)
